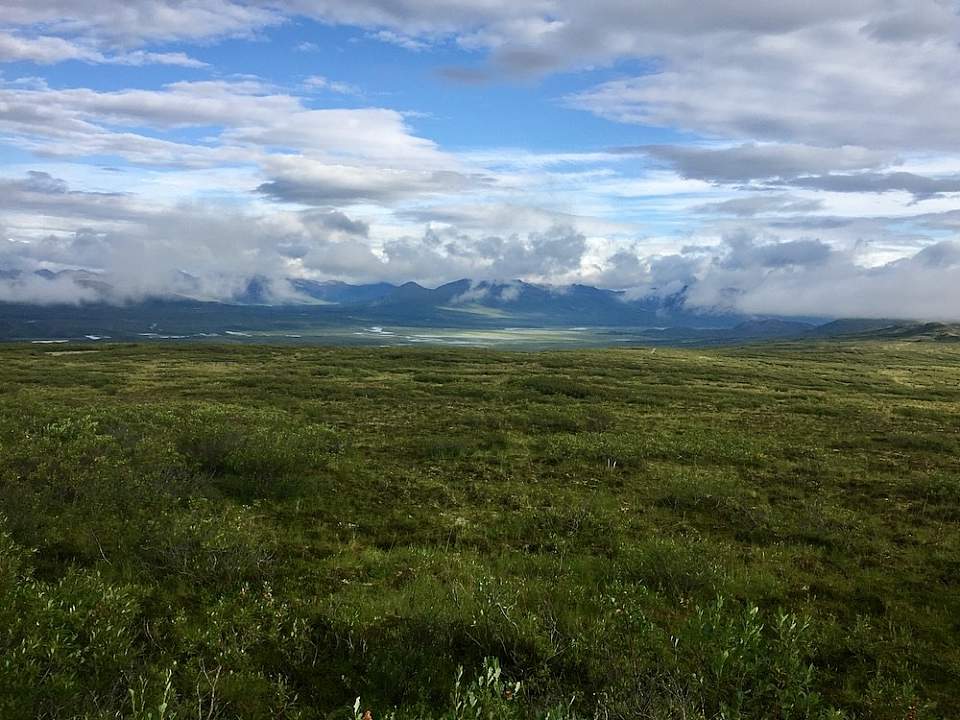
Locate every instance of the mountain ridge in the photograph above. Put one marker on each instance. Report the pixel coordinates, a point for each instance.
(304, 304)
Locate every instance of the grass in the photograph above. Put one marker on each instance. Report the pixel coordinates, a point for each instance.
(245, 532)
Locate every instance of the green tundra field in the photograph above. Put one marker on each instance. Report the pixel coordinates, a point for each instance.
(201, 531)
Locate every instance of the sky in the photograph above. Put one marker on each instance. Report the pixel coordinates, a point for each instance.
(789, 159)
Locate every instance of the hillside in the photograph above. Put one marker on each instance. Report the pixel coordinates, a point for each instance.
(240, 531)
(918, 332)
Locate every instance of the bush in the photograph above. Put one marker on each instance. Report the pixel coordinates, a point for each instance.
(735, 665)
(79, 493)
(65, 645)
(488, 696)
(558, 385)
(207, 544)
(253, 455)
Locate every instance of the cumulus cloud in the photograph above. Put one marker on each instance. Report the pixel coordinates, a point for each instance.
(768, 274)
(777, 63)
(150, 258)
(785, 86)
(253, 118)
(142, 57)
(809, 278)
(912, 288)
(874, 73)
(509, 217)
(815, 125)
(336, 221)
(44, 50)
(445, 254)
(210, 250)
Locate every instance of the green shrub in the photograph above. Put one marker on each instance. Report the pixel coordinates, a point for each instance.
(676, 568)
(67, 645)
(735, 664)
(488, 696)
(253, 455)
(559, 385)
(207, 543)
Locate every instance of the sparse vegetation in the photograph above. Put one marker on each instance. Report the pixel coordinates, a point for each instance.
(255, 532)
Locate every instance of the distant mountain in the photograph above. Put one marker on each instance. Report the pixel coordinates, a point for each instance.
(747, 331)
(341, 293)
(528, 304)
(256, 292)
(412, 293)
(853, 326)
(772, 328)
(462, 302)
(294, 306)
(914, 332)
(81, 278)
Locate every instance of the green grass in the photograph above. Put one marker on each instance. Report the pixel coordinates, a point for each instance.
(262, 532)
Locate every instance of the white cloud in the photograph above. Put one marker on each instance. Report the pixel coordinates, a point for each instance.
(824, 85)
(319, 82)
(807, 278)
(247, 120)
(298, 180)
(820, 125)
(42, 291)
(141, 57)
(405, 41)
(46, 50)
(756, 268)
(139, 21)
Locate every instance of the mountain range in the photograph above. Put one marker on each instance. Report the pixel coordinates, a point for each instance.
(291, 307)
(463, 302)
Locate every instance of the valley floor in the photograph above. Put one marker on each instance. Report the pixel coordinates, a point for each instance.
(263, 532)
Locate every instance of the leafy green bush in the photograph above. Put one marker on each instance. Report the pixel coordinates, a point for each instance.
(206, 543)
(559, 385)
(256, 454)
(66, 645)
(488, 696)
(736, 665)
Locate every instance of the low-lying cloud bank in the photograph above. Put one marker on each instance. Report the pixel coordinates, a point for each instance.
(745, 273)
(809, 278)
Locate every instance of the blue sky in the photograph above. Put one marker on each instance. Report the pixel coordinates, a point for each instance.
(782, 158)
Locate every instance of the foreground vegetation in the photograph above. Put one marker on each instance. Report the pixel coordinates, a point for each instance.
(250, 532)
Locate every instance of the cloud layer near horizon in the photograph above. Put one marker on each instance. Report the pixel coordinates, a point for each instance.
(790, 159)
